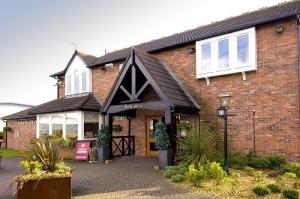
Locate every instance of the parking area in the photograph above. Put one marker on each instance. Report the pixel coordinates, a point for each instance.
(125, 177)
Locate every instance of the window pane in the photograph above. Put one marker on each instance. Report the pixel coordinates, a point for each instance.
(44, 129)
(84, 81)
(205, 57)
(243, 49)
(57, 130)
(71, 130)
(223, 53)
(76, 82)
(68, 79)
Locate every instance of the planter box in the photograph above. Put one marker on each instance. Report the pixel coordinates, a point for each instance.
(52, 188)
(166, 158)
(103, 154)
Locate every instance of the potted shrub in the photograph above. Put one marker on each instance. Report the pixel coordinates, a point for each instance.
(163, 145)
(46, 175)
(103, 139)
(117, 128)
(184, 127)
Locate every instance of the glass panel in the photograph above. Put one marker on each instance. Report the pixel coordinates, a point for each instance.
(57, 130)
(205, 56)
(71, 130)
(91, 124)
(243, 49)
(152, 128)
(84, 81)
(152, 147)
(68, 79)
(223, 53)
(76, 82)
(44, 129)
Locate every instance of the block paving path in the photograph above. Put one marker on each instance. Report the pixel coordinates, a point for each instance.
(124, 178)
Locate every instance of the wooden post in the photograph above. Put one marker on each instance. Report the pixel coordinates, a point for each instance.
(109, 122)
(171, 127)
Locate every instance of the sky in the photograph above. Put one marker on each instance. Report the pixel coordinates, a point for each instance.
(37, 37)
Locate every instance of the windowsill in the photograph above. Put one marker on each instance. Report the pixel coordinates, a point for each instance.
(226, 72)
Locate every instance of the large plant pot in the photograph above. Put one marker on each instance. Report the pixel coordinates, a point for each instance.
(103, 154)
(52, 188)
(166, 158)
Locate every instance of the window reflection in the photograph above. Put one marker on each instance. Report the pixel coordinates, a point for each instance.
(223, 53)
(205, 56)
(243, 49)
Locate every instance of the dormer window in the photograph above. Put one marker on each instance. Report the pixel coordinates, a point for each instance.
(78, 78)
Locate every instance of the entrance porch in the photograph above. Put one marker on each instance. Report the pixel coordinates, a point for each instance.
(146, 92)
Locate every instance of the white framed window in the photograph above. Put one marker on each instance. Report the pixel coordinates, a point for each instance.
(226, 54)
(78, 78)
(68, 84)
(84, 81)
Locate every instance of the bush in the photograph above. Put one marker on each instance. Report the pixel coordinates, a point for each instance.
(198, 147)
(276, 162)
(1, 134)
(236, 159)
(291, 194)
(177, 178)
(274, 188)
(169, 173)
(293, 168)
(103, 136)
(117, 128)
(196, 176)
(259, 176)
(258, 162)
(215, 171)
(162, 141)
(7, 129)
(261, 191)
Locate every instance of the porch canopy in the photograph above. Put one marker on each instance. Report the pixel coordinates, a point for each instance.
(145, 82)
(74, 116)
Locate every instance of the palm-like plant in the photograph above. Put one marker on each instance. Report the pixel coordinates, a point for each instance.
(198, 148)
(47, 153)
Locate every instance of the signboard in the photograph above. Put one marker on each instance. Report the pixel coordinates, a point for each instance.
(82, 150)
(133, 106)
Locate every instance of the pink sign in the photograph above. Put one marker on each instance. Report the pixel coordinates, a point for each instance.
(82, 150)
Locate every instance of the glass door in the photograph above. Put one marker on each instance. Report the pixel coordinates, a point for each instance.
(151, 121)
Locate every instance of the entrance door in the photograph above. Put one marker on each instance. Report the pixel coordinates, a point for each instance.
(151, 121)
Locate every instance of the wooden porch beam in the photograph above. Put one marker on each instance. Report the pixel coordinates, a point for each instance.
(125, 91)
(142, 89)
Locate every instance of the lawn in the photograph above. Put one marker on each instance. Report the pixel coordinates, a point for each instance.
(12, 153)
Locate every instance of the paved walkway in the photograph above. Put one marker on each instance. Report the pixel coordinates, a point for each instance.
(126, 177)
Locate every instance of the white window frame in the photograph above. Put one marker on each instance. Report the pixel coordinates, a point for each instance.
(234, 67)
(81, 68)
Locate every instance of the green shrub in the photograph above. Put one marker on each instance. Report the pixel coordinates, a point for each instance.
(274, 188)
(175, 168)
(169, 173)
(103, 136)
(32, 167)
(196, 176)
(177, 178)
(293, 168)
(162, 140)
(236, 159)
(276, 162)
(290, 194)
(261, 191)
(258, 162)
(215, 171)
(7, 129)
(182, 169)
(117, 128)
(259, 176)
(198, 147)
(1, 134)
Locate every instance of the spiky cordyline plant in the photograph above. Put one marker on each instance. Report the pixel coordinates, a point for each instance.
(47, 153)
(198, 147)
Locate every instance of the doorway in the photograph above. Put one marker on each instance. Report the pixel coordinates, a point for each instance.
(150, 138)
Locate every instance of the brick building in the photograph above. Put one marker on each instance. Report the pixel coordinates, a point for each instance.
(253, 57)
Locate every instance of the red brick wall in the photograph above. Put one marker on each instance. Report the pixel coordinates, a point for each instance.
(272, 91)
(61, 92)
(21, 134)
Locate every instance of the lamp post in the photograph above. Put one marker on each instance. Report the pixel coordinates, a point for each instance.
(222, 112)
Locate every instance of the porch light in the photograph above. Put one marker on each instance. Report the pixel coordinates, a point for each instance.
(221, 111)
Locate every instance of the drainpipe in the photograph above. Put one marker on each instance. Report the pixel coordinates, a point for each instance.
(298, 48)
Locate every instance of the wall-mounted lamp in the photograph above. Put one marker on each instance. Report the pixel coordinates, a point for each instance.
(191, 50)
(279, 28)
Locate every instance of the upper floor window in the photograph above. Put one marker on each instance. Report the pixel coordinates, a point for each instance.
(78, 78)
(226, 54)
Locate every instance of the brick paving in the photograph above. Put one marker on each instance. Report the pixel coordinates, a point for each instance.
(126, 177)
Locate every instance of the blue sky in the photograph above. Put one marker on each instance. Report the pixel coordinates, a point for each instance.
(36, 36)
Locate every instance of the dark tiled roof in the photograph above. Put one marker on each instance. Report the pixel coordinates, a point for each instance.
(89, 102)
(232, 24)
(86, 58)
(167, 81)
(25, 114)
